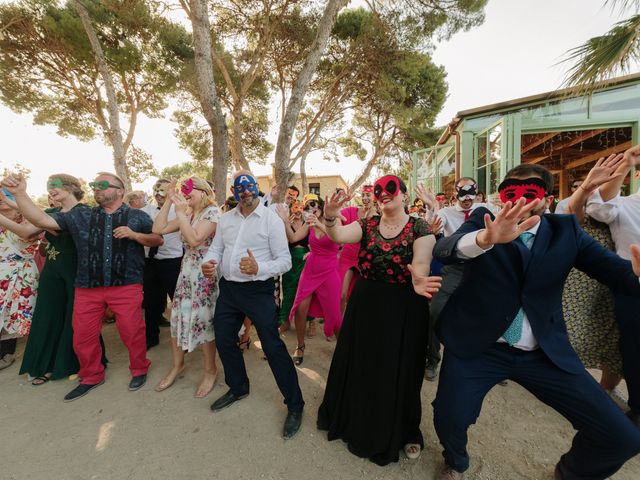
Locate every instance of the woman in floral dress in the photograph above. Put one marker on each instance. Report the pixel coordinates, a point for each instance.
(372, 397)
(18, 281)
(195, 296)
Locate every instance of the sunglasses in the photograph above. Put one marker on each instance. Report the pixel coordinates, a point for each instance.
(102, 185)
(310, 205)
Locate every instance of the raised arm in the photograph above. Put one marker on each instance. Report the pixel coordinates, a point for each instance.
(611, 190)
(204, 228)
(24, 230)
(351, 233)
(604, 171)
(17, 186)
(292, 237)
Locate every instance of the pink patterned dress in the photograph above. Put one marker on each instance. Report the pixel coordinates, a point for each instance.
(320, 278)
(18, 284)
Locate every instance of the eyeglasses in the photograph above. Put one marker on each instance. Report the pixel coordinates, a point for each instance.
(102, 185)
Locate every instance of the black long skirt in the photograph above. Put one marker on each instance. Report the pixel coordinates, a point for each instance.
(372, 398)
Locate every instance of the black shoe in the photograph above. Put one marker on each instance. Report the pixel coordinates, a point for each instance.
(226, 400)
(137, 382)
(634, 416)
(164, 323)
(431, 372)
(292, 424)
(80, 391)
(152, 343)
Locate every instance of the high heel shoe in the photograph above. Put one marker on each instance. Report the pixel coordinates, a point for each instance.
(298, 359)
(245, 345)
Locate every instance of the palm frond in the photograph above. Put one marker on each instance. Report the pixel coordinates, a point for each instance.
(602, 58)
(623, 5)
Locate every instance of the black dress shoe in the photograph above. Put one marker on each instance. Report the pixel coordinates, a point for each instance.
(292, 424)
(152, 343)
(80, 391)
(164, 323)
(634, 416)
(137, 382)
(226, 400)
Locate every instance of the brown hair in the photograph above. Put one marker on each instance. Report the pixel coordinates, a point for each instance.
(69, 183)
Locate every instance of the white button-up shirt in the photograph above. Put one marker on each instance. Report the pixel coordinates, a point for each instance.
(172, 246)
(622, 214)
(262, 232)
(468, 248)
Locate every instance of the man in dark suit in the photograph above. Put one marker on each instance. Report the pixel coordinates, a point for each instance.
(505, 322)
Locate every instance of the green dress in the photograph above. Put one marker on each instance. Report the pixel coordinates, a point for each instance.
(49, 347)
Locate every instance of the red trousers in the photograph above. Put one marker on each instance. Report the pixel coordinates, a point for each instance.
(88, 310)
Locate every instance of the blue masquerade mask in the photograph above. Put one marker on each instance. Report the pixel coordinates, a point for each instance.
(245, 183)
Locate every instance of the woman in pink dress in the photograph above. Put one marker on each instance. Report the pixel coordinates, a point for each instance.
(318, 292)
(348, 262)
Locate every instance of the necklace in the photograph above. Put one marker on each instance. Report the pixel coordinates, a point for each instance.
(392, 226)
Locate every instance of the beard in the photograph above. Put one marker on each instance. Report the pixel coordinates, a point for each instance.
(105, 198)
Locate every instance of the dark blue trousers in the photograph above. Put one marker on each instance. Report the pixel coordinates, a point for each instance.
(160, 278)
(628, 320)
(605, 440)
(254, 300)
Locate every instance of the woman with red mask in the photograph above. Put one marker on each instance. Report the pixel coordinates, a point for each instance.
(372, 398)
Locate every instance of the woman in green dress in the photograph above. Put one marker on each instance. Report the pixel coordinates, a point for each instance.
(49, 351)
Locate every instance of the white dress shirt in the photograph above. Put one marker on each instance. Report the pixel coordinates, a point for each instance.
(453, 217)
(172, 246)
(563, 205)
(468, 248)
(622, 214)
(262, 232)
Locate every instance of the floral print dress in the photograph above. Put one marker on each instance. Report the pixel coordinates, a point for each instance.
(18, 284)
(195, 298)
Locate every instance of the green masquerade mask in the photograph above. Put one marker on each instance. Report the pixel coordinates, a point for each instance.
(102, 185)
(54, 183)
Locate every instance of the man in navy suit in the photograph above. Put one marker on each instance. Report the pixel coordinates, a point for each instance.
(505, 322)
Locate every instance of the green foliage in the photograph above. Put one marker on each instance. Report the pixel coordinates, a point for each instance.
(47, 67)
(140, 165)
(181, 170)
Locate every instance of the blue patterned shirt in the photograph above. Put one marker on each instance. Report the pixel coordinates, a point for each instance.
(105, 261)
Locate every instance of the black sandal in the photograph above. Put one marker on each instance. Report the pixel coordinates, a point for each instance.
(244, 345)
(36, 382)
(298, 359)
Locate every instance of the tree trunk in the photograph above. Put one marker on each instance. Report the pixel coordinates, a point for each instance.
(303, 175)
(208, 97)
(365, 173)
(296, 100)
(114, 134)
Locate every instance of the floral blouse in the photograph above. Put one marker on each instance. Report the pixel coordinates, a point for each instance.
(386, 259)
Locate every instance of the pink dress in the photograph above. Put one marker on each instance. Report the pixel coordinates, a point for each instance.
(320, 278)
(349, 255)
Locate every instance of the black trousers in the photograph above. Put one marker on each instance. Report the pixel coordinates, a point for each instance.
(160, 278)
(451, 278)
(8, 346)
(254, 300)
(605, 437)
(628, 318)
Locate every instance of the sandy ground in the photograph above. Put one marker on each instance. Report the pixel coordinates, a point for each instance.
(116, 434)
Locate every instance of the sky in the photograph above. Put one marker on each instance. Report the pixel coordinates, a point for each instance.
(513, 54)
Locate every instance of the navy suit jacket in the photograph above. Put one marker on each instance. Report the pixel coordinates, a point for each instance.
(497, 283)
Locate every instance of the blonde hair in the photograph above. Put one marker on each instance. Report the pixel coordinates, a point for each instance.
(201, 184)
(134, 194)
(69, 183)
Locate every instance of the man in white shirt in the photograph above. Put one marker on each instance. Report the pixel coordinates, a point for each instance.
(505, 322)
(251, 248)
(454, 216)
(161, 269)
(622, 214)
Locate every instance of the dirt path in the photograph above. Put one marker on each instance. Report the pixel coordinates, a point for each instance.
(116, 434)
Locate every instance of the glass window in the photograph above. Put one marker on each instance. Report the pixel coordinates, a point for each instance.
(623, 98)
(489, 161)
(437, 168)
(314, 188)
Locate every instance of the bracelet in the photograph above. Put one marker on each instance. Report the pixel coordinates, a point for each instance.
(330, 219)
(332, 224)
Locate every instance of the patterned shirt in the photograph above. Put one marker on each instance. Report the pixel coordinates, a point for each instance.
(105, 261)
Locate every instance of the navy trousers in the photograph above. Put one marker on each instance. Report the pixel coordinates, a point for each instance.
(605, 440)
(160, 278)
(254, 300)
(628, 319)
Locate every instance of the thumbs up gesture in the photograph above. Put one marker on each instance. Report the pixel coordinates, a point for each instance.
(248, 264)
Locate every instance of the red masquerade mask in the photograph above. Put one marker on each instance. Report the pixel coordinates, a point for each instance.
(367, 189)
(441, 198)
(513, 189)
(388, 184)
(187, 187)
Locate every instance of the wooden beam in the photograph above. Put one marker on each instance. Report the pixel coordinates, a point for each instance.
(568, 143)
(595, 156)
(540, 141)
